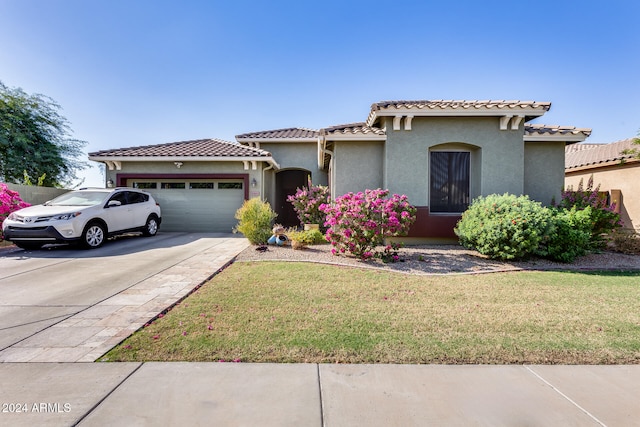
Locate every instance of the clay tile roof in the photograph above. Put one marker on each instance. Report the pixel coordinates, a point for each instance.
(353, 129)
(462, 104)
(593, 155)
(288, 133)
(530, 129)
(195, 148)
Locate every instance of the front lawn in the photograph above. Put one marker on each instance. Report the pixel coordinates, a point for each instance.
(301, 312)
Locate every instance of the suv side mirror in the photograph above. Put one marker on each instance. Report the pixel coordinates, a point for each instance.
(113, 203)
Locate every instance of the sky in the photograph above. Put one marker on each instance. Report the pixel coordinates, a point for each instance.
(140, 72)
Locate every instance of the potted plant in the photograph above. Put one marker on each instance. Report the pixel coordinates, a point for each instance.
(300, 239)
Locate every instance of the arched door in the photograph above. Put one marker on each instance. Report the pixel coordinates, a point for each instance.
(287, 182)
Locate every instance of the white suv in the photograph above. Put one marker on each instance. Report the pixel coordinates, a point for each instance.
(87, 216)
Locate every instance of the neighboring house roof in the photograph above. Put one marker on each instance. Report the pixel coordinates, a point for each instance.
(194, 150)
(588, 156)
(441, 107)
(552, 132)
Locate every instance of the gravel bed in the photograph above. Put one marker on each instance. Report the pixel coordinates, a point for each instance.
(440, 259)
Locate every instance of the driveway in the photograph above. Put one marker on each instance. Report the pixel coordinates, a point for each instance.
(67, 304)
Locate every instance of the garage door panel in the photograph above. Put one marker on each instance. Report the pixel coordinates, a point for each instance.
(199, 210)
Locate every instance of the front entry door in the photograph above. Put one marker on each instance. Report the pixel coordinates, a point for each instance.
(286, 184)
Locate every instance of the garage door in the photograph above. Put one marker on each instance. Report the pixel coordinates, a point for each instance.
(195, 206)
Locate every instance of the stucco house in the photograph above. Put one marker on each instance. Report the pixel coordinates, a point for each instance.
(441, 154)
(615, 173)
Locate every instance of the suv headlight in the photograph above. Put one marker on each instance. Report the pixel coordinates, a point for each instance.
(65, 217)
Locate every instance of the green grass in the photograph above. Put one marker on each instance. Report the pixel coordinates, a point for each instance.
(299, 312)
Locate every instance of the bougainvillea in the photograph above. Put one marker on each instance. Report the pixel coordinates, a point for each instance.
(359, 222)
(307, 201)
(10, 201)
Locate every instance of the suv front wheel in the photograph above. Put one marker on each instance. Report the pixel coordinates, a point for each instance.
(151, 226)
(94, 235)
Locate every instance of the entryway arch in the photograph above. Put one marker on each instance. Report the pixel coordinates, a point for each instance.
(287, 181)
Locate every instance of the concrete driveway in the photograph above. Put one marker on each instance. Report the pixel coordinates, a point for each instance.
(64, 304)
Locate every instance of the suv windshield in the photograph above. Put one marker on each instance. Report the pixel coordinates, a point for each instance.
(79, 198)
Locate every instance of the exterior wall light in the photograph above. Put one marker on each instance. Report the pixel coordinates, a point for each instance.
(110, 183)
(254, 183)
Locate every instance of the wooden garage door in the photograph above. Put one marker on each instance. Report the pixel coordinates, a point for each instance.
(195, 206)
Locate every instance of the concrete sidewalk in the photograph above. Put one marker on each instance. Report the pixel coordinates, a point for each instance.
(237, 394)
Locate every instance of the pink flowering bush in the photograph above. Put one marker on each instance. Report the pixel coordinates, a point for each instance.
(10, 201)
(307, 201)
(359, 222)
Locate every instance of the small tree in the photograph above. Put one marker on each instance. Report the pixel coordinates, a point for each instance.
(255, 219)
(635, 151)
(359, 222)
(35, 137)
(10, 201)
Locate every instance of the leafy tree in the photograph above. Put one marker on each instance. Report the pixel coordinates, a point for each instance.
(35, 140)
(634, 151)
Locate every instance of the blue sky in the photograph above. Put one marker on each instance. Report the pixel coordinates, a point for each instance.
(138, 72)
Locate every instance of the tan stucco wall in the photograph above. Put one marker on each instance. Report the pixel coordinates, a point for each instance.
(544, 170)
(406, 160)
(357, 166)
(624, 177)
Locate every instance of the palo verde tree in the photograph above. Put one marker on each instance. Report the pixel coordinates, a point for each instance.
(35, 140)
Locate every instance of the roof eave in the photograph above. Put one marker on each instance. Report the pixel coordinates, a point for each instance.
(275, 140)
(360, 137)
(527, 113)
(609, 163)
(569, 139)
(179, 158)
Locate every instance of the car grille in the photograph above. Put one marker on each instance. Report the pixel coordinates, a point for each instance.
(31, 220)
(14, 228)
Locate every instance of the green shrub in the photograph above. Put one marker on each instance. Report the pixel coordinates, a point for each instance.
(255, 219)
(569, 236)
(307, 237)
(603, 218)
(504, 227)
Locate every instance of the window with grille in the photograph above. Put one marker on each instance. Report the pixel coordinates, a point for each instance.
(449, 181)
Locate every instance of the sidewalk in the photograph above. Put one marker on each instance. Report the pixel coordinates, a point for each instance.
(236, 394)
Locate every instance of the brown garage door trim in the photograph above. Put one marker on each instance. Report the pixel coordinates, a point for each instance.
(122, 178)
